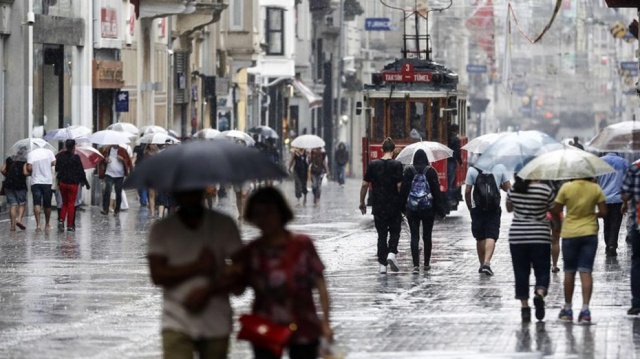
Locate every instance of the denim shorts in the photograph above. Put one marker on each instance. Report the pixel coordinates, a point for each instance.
(16, 197)
(42, 194)
(579, 253)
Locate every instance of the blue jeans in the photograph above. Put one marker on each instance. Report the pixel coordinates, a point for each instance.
(451, 178)
(579, 253)
(144, 197)
(341, 171)
(525, 256)
(635, 267)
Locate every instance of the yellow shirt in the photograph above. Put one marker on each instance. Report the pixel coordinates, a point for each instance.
(581, 198)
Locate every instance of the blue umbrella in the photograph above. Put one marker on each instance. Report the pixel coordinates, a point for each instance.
(514, 150)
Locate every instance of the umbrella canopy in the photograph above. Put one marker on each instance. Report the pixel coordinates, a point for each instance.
(435, 152)
(479, 144)
(21, 149)
(308, 142)
(173, 133)
(206, 134)
(89, 156)
(145, 130)
(109, 137)
(236, 135)
(568, 163)
(158, 139)
(68, 133)
(515, 149)
(124, 127)
(264, 131)
(39, 154)
(198, 164)
(619, 137)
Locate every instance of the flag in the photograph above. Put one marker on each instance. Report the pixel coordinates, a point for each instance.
(482, 26)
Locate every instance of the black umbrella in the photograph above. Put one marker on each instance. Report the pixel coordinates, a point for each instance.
(264, 131)
(199, 164)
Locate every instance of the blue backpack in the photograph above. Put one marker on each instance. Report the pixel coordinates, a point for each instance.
(420, 197)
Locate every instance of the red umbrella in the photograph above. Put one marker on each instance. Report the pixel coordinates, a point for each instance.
(89, 156)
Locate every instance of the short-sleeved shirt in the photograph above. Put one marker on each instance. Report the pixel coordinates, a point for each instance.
(499, 174)
(41, 170)
(15, 178)
(530, 224)
(171, 239)
(631, 187)
(581, 198)
(115, 167)
(611, 183)
(284, 295)
(384, 176)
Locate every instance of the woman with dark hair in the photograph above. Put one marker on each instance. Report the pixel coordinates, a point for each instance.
(421, 189)
(284, 269)
(15, 187)
(70, 175)
(530, 241)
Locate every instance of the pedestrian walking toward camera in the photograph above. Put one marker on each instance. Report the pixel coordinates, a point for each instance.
(71, 176)
(579, 239)
(41, 172)
(138, 156)
(530, 241)
(15, 188)
(631, 197)
(318, 168)
(421, 188)
(453, 162)
(384, 176)
(187, 254)
(485, 210)
(115, 166)
(342, 159)
(299, 166)
(611, 184)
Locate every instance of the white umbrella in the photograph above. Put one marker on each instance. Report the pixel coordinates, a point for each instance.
(308, 142)
(478, 144)
(39, 154)
(109, 137)
(21, 149)
(619, 137)
(124, 127)
(145, 130)
(206, 134)
(67, 133)
(436, 151)
(158, 139)
(565, 164)
(237, 135)
(173, 133)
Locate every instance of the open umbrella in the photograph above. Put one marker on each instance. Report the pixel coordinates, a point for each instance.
(67, 133)
(236, 135)
(515, 149)
(478, 144)
(124, 127)
(435, 152)
(206, 134)
(197, 164)
(308, 142)
(619, 137)
(89, 156)
(21, 149)
(39, 154)
(158, 139)
(109, 137)
(264, 131)
(145, 130)
(568, 163)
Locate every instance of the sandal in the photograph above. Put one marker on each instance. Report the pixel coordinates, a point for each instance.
(21, 225)
(555, 269)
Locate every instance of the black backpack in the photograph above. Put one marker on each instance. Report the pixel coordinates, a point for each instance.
(486, 194)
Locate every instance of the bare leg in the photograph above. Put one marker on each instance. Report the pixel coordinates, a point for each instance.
(587, 287)
(555, 248)
(152, 203)
(47, 218)
(36, 213)
(21, 209)
(480, 246)
(490, 246)
(240, 203)
(569, 283)
(12, 215)
(525, 303)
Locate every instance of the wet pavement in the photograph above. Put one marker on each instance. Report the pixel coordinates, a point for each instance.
(88, 295)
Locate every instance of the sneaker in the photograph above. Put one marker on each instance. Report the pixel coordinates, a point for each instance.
(555, 269)
(116, 213)
(61, 226)
(392, 262)
(427, 268)
(416, 270)
(486, 269)
(634, 311)
(525, 313)
(382, 269)
(584, 317)
(538, 302)
(71, 229)
(480, 269)
(566, 315)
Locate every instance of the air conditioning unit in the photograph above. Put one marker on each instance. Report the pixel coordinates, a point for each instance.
(5, 18)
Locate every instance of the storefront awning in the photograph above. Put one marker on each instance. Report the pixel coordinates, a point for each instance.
(306, 92)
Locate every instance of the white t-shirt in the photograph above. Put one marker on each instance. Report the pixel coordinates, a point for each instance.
(115, 168)
(170, 238)
(42, 170)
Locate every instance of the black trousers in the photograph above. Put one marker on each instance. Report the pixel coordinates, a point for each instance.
(388, 226)
(296, 351)
(426, 218)
(109, 183)
(612, 223)
(526, 256)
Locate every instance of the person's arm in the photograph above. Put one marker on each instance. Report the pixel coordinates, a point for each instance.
(602, 210)
(164, 275)
(326, 167)
(557, 209)
(292, 162)
(27, 169)
(625, 203)
(509, 206)
(467, 196)
(325, 304)
(3, 170)
(363, 194)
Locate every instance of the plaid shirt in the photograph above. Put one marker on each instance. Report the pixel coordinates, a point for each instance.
(631, 187)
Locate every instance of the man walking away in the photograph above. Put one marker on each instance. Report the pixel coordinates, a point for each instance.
(41, 172)
(342, 158)
(138, 156)
(611, 184)
(299, 167)
(385, 178)
(631, 198)
(453, 162)
(71, 175)
(115, 166)
(485, 210)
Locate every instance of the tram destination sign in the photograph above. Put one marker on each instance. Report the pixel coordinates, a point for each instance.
(407, 75)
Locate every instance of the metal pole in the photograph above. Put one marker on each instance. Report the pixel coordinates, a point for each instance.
(340, 72)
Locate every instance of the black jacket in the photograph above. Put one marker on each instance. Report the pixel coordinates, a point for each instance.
(69, 169)
(434, 184)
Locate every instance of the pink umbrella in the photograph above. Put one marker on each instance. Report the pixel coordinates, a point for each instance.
(89, 156)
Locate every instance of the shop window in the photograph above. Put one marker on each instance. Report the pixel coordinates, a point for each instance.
(275, 31)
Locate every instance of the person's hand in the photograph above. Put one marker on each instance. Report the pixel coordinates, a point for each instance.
(120, 158)
(88, 187)
(327, 332)
(624, 208)
(363, 208)
(197, 299)
(206, 262)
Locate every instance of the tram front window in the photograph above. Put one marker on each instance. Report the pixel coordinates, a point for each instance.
(397, 120)
(418, 119)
